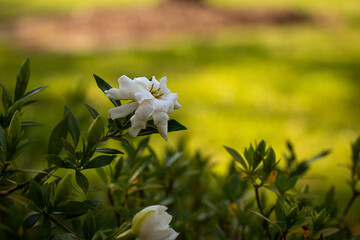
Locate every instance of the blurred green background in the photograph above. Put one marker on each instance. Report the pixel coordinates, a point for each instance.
(297, 82)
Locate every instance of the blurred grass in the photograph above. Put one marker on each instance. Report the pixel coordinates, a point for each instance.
(297, 82)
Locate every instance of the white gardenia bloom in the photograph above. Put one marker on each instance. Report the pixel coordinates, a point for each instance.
(152, 223)
(151, 98)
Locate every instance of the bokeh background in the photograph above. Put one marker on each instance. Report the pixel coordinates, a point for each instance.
(244, 70)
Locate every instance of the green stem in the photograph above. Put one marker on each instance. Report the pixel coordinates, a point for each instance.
(348, 206)
(113, 205)
(62, 226)
(265, 223)
(13, 189)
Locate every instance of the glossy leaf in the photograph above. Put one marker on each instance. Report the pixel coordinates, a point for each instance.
(36, 194)
(103, 85)
(63, 190)
(82, 181)
(95, 131)
(173, 126)
(99, 161)
(72, 208)
(89, 226)
(6, 98)
(108, 150)
(59, 132)
(55, 159)
(32, 92)
(30, 221)
(14, 130)
(74, 126)
(22, 79)
(31, 123)
(236, 156)
(92, 111)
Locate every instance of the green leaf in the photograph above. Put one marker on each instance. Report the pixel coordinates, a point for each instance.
(74, 126)
(99, 161)
(266, 219)
(16, 106)
(46, 225)
(92, 111)
(67, 236)
(70, 150)
(22, 79)
(236, 156)
(249, 156)
(13, 171)
(139, 167)
(63, 190)
(14, 130)
(119, 165)
(31, 123)
(71, 208)
(30, 221)
(89, 226)
(103, 85)
(102, 174)
(108, 150)
(95, 131)
(21, 146)
(59, 132)
(23, 201)
(93, 204)
(172, 159)
(43, 177)
(29, 102)
(355, 152)
(82, 181)
(55, 159)
(317, 156)
(221, 233)
(330, 195)
(173, 126)
(356, 237)
(280, 213)
(6, 98)
(328, 232)
(290, 183)
(36, 194)
(32, 92)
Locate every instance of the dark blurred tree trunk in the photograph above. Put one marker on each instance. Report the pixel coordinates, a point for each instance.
(187, 1)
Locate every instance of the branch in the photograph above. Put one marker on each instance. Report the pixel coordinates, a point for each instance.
(113, 205)
(256, 187)
(13, 189)
(348, 206)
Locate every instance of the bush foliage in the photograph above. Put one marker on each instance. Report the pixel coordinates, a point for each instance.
(255, 199)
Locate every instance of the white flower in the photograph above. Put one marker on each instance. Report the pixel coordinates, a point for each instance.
(151, 223)
(151, 98)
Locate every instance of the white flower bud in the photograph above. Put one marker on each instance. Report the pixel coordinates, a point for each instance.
(152, 223)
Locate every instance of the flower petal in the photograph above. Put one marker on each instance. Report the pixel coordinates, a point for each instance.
(161, 122)
(142, 113)
(177, 105)
(113, 93)
(128, 88)
(163, 86)
(143, 95)
(143, 82)
(160, 234)
(122, 110)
